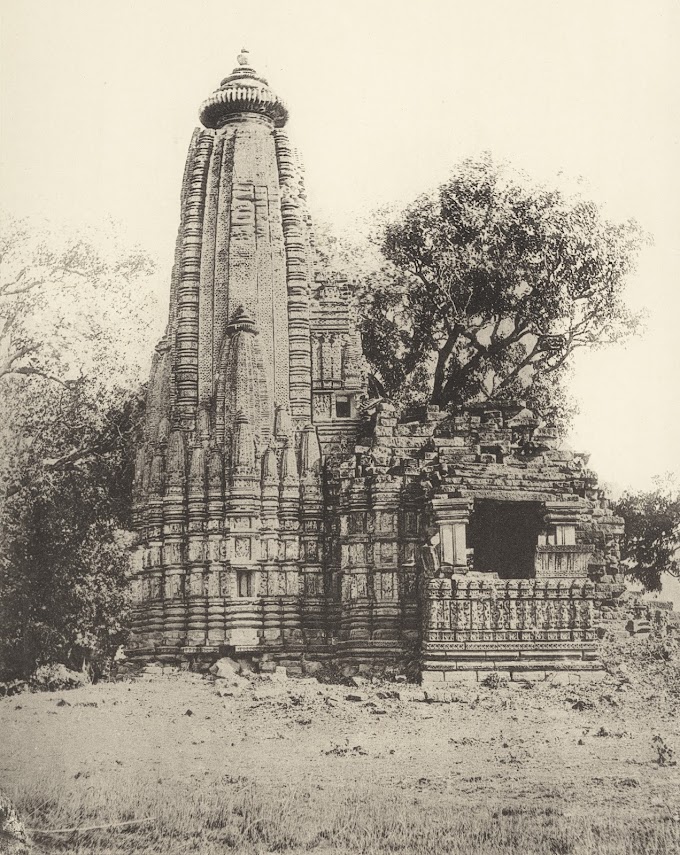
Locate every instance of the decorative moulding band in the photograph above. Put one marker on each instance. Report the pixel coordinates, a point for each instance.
(224, 103)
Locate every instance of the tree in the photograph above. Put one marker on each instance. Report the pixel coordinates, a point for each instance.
(64, 568)
(59, 293)
(651, 544)
(491, 284)
(76, 323)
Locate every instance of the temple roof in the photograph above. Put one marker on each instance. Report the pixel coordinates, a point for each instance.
(243, 91)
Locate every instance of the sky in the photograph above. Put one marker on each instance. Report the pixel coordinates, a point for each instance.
(98, 101)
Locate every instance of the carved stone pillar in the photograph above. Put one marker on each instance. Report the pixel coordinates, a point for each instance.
(452, 517)
(557, 553)
(562, 518)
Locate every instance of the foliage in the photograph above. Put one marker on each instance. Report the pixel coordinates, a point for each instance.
(651, 545)
(67, 301)
(491, 284)
(63, 571)
(56, 677)
(73, 315)
(351, 251)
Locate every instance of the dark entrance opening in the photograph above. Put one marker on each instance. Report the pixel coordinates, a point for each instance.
(504, 537)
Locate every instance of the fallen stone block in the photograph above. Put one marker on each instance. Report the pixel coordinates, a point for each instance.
(428, 678)
(279, 674)
(312, 668)
(225, 669)
(388, 696)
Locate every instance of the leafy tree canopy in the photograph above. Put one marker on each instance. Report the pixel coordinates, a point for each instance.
(491, 284)
(651, 544)
(77, 318)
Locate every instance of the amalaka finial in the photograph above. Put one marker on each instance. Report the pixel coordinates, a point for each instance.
(243, 91)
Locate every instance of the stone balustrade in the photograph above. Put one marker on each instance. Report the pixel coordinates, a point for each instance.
(562, 561)
(517, 610)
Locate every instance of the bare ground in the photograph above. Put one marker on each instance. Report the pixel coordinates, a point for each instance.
(301, 767)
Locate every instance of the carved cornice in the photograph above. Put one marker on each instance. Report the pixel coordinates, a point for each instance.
(242, 92)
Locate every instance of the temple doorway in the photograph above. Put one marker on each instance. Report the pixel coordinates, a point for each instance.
(504, 537)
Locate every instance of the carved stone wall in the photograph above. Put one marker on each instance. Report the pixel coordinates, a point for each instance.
(228, 484)
(402, 569)
(278, 510)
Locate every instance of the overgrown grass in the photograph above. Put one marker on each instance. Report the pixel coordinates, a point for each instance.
(218, 816)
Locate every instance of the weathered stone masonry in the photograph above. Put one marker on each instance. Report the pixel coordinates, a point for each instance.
(280, 512)
(481, 524)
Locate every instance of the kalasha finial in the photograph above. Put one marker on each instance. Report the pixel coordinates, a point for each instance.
(244, 57)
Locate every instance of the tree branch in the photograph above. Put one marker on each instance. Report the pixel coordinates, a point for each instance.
(442, 359)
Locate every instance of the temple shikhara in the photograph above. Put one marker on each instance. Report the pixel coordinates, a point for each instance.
(282, 514)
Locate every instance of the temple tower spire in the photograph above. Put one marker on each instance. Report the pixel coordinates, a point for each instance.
(236, 352)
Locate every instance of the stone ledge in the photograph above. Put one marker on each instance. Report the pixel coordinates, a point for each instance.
(530, 671)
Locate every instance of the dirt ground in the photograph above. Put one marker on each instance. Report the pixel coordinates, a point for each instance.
(585, 750)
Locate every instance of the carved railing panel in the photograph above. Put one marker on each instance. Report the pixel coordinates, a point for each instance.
(566, 561)
(524, 610)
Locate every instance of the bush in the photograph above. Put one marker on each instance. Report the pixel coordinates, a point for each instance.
(53, 678)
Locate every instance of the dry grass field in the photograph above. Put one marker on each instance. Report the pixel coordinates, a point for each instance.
(299, 767)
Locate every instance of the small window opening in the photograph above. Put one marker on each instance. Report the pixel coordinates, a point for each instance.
(343, 407)
(245, 588)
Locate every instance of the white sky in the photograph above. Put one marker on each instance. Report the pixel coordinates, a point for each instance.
(99, 100)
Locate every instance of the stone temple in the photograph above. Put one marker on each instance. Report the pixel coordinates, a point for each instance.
(283, 515)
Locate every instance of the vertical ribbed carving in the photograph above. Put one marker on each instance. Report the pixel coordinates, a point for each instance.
(283, 427)
(243, 447)
(311, 537)
(197, 616)
(270, 491)
(216, 568)
(206, 310)
(310, 452)
(279, 306)
(221, 302)
(290, 475)
(242, 260)
(177, 263)
(297, 276)
(174, 517)
(289, 519)
(153, 618)
(186, 337)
